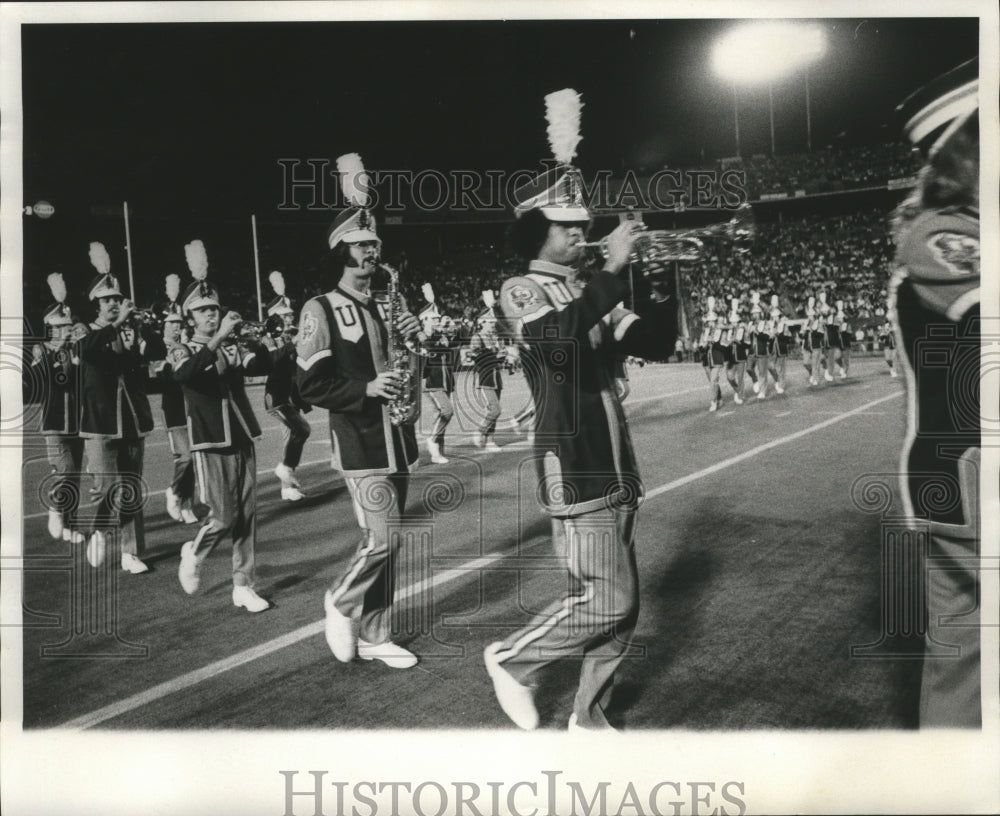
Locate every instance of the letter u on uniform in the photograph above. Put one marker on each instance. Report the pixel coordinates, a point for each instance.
(346, 315)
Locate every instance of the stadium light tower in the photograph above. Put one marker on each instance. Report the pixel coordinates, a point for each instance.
(763, 52)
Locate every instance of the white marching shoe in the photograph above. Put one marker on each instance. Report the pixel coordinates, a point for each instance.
(435, 450)
(892, 372)
(132, 564)
(173, 505)
(245, 597)
(72, 536)
(713, 405)
(187, 514)
(96, 548)
(393, 655)
(737, 399)
(492, 447)
(756, 387)
(828, 376)
(761, 395)
(339, 631)
(516, 700)
(56, 528)
(289, 484)
(478, 440)
(779, 388)
(188, 571)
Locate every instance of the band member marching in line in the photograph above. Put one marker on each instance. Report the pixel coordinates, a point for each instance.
(780, 342)
(589, 482)
(843, 325)
(813, 340)
(887, 339)
(343, 354)
(439, 372)
(180, 494)
(58, 361)
(737, 350)
(760, 343)
(222, 429)
(934, 303)
(115, 413)
(281, 394)
(488, 355)
(833, 339)
(714, 352)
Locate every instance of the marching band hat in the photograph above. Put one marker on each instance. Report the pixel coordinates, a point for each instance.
(558, 192)
(105, 284)
(198, 294)
(172, 317)
(356, 223)
(933, 113)
(58, 314)
(279, 304)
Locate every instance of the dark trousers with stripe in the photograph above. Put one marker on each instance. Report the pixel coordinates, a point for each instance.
(295, 431)
(365, 591)
(182, 483)
(227, 483)
(65, 455)
(118, 468)
(595, 622)
(445, 411)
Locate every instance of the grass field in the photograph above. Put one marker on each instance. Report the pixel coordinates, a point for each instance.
(759, 574)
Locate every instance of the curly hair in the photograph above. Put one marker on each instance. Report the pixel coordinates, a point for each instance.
(527, 234)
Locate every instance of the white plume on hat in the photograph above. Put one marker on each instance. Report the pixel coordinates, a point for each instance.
(428, 292)
(197, 259)
(173, 286)
(562, 112)
(58, 287)
(277, 283)
(489, 298)
(354, 180)
(774, 301)
(99, 257)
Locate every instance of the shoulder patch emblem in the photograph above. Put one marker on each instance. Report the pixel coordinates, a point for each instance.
(955, 251)
(522, 297)
(178, 354)
(309, 326)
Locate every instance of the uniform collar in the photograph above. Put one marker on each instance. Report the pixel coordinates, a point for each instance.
(554, 269)
(201, 339)
(361, 297)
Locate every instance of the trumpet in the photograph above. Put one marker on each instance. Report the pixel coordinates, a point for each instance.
(662, 246)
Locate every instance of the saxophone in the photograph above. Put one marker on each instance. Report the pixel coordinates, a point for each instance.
(405, 406)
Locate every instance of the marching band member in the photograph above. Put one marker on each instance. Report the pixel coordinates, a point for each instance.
(487, 356)
(781, 340)
(887, 339)
(714, 352)
(180, 494)
(846, 339)
(58, 361)
(281, 395)
(934, 303)
(738, 351)
(833, 340)
(222, 428)
(115, 412)
(760, 342)
(570, 335)
(439, 379)
(342, 354)
(813, 338)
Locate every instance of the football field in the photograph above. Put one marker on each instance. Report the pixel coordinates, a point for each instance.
(760, 549)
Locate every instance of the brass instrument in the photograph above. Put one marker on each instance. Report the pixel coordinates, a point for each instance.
(401, 359)
(662, 246)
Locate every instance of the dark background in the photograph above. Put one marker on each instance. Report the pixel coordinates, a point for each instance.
(188, 121)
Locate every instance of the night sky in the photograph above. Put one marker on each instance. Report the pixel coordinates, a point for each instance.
(187, 121)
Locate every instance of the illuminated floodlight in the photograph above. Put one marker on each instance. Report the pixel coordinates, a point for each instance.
(765, 51)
